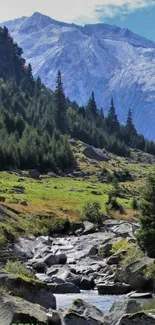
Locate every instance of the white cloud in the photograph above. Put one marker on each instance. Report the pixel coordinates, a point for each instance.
(78, 11)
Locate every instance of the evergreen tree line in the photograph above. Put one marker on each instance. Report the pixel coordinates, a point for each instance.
(36, 122)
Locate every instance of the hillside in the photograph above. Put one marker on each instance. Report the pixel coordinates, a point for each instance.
(51, 164)
(107, 59)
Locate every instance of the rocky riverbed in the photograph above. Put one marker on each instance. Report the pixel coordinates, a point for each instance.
(78, 267)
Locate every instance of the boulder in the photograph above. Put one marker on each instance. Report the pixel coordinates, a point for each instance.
(81, 313)
(33, 173)
(113, 288)
(119, 309)
(115, 258)
(94, 153)
(87, 284)
(89, 228)
(52, 259)
(16, 310)
(137, 319)
(68, 276)
(39, 267)
(140, 295)
(63, 287)
(134, 274)
(24, 203)
(30, 290)
(105, 249)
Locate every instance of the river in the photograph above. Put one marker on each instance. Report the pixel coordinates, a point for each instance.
(104, 302)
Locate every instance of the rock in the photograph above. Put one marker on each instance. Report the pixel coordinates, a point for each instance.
(24, 203)
(144, 295)
(81, 313)
(30, 290)
(116, 258)
(134, 274)
(54, 318)
(87, 284)
(52, 259)
(15, 310)
(62, 258)
(105, 249)
(68, 276)
(63, 288)
(89, 228)
(52, 174)
(33, 173)
(119, 309)
(73, 142)
(76, 227)
(137, 319)
(39, 267)
(94, 153)
(18, 189)
(113, 288)
(93, 251)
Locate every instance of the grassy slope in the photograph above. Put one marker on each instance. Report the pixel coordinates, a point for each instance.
(51, 200)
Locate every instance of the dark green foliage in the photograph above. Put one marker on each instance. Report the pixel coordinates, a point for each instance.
(60, 105)
(92, 108)
(146, 234)
(112, 120)
(91, 212)
(134, 204)
(114, 205)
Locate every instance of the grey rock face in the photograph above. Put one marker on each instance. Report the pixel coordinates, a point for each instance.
(119, 309)
(113, 288)
(81, 313)
(31, 291)
(16, 310)
(94, 153)
(137, 319)
(134, 274)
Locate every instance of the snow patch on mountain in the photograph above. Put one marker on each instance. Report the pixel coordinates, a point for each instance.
(107, 59)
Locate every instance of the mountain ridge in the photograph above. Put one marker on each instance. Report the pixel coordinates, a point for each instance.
(100, 57)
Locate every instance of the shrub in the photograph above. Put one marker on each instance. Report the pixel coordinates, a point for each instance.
(91, 212)
(146, 234)
(113, 204)
(134, 204)
(120, 244)
(150, 271)
(18, 268)
(133, 253)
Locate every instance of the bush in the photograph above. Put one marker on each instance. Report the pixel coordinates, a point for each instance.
(113, 204)
(146, 234)
(120, 244)
(18, 268)
(91, 212)
(134, 204)
(133, 253)
(150, 271)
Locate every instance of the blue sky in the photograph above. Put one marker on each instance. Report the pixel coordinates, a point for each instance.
(141, 21)
(137, 15)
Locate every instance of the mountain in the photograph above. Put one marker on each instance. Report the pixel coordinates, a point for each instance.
(107, 59)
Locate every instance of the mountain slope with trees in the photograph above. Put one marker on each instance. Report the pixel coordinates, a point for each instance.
(107, 59)
(36, 122)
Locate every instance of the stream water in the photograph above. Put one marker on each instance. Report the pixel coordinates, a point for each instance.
(104, 303)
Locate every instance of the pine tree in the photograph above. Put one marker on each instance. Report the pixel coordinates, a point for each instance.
(101, 113)
(129, 126)
(60, 105)
(92, 107)
(146, 234)
(112, 120)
